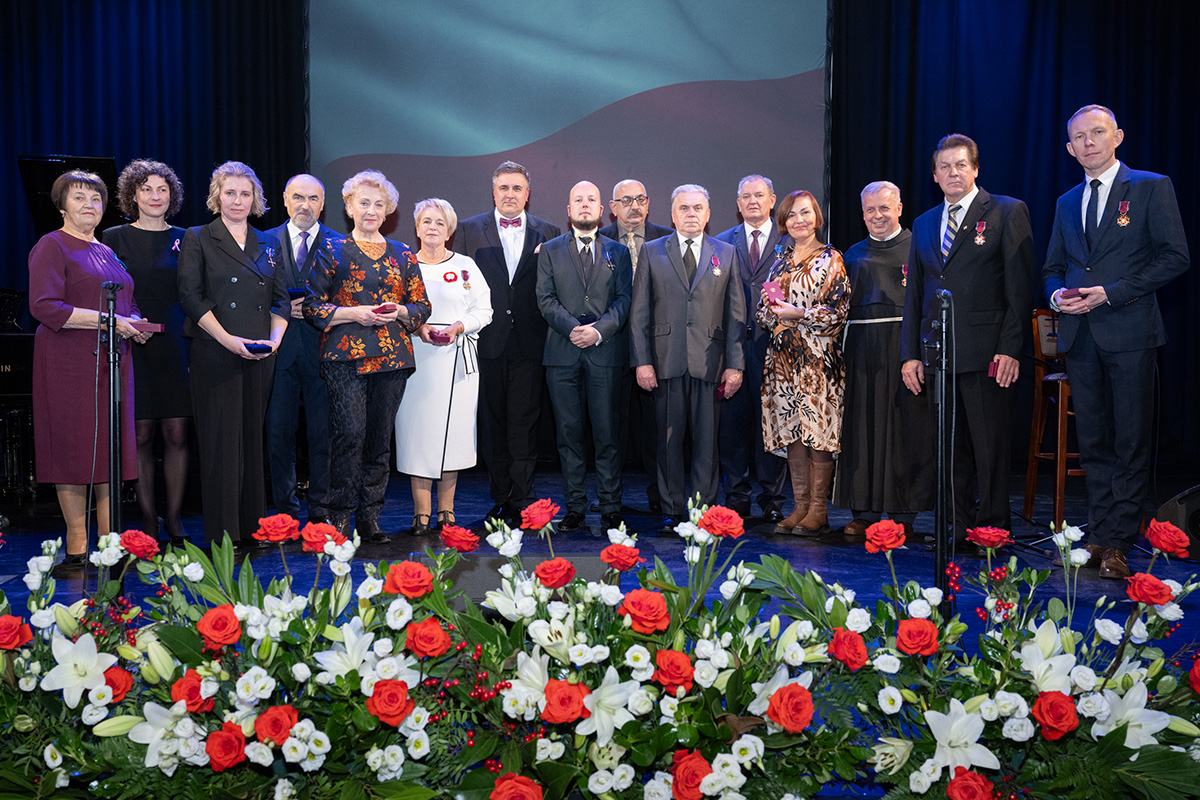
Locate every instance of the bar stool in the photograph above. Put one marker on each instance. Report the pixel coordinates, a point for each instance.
(1050, 386)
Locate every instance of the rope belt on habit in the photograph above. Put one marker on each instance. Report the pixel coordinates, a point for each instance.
(850, 322)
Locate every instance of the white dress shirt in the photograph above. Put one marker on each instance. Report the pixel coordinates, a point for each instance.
(1107, 178)
(512, 239)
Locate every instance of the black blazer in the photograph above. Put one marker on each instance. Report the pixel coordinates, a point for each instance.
(241, 287)
(301, 339)
(514, 306)
(568, 290)
(988, 272)
(752, 276)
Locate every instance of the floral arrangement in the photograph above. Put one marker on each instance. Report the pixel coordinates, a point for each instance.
(742, 681)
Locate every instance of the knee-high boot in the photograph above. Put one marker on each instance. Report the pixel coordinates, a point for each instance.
(817, 520)
(798, 465)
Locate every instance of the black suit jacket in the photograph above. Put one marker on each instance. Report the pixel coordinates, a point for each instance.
(301, 339)
(567, 289)
(1130, 261)
(988, 273)
(752, 276)
(241, 287)
(514, 305)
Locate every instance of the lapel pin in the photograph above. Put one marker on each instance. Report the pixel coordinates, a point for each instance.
(980, 227)
(716, 266)
(1123, 220)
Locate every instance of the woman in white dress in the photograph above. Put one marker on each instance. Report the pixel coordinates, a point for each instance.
(435, 425)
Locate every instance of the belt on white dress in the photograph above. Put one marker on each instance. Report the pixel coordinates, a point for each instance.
(849, 322)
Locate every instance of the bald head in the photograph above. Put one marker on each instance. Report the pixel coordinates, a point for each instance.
(584, 206)
(630, 204)
(304, 198)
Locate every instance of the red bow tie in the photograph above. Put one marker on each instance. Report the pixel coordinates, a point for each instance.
(506, 223)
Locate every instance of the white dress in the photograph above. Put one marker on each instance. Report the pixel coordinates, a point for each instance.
(435, 424)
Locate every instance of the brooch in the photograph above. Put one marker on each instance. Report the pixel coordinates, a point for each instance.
(271, 257)
(716, 266)
(466, 280)
(980, 227)
(450, 277)
(1123, 220)
(175, 247)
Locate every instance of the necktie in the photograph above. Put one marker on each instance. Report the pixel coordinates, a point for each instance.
(633, 248)
(951, 229)
(755, 251)
(585, 253)
(1089, 229)
(689, 261)
(302, 252)
(506, 223)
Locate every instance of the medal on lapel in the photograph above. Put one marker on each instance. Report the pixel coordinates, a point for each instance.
(980, 227)
(271, 257)
(608, 259)
(1123, 220)
(466, 280)
(904, 274)
(716, 266)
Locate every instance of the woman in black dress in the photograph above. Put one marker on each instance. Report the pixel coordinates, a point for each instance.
(148, 192)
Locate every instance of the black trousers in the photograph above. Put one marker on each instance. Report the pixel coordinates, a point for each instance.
(229, 403)
(591, 390)
(362, 416)
(639, 431)
(510, 404)
(684, 405)
(302, 378)
(742, 451)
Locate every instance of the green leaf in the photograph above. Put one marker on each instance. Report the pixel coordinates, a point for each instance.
(249, 587)
(351, 790)
(402, 790)
(184, 643)
(1056, 610)
(223, 564)
(363, 719)
(477, 785)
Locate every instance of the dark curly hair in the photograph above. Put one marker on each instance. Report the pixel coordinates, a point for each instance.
(138, 172)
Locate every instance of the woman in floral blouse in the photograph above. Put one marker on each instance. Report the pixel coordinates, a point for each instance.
(366, 296)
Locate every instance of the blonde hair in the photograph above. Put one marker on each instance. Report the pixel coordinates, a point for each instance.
(372, 178)
(235, 169)
(442, 206)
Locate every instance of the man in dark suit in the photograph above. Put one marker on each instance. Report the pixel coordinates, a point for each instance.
(639, 434)
(504, 244)
(298, 363)
(687, 323)
(1117, 238)
(979, 248)
(583, 290)
(741, 415)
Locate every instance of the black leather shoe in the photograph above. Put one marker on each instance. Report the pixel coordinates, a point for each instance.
(573, 521)
(178, 541)
(73, 565)
(498, 512)
(742, 509)
(420, 526)
(318, 519)
(445, 518)
(370, 531)
(773, 515)
(612, 519)
(655, 505)
(668, 525)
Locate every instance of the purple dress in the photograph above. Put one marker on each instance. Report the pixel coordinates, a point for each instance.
(70, 381)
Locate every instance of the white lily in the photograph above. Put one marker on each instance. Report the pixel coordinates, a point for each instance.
(555, 637)
(80, 668)
(1131, 710)
(607, 704)
(351, 653)
(1047, 638)
(1051, 674)
(527, 694)
(957, 735)
(159, 725)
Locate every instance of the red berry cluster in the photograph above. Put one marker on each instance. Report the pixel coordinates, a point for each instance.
(113, 615)
(164, 590)
(1172, 629)
(953, 573)
(998, 574)
(493, 765)
(533, 736)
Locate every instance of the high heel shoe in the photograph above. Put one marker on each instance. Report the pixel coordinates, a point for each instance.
(73, 565)
(445, 518)
(420, 526)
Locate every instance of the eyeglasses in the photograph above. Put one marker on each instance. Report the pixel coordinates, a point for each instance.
(641, 200)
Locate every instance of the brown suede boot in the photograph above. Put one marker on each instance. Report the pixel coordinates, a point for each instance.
(817, 521)
(799, 467)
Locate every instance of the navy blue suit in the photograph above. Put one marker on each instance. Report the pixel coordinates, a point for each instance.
(741, 415)
(298, 374)
(1139, 247)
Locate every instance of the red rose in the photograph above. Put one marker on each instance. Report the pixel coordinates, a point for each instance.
(1166, 537)
(967, 785)
(316, 534)
(555, 573)
(220, 627)
(274, 726)
(621, 557)
(917, 637)
(226, 747)
(848, 647)
(277, 528)
(187, 688)
(14, 633)
(674, 670)
(884, 535)
(538, 515)
(688, 769)
(511, 786)
(564, 701)
(426, 638)
(722, 521)
(409, 579)
(1148, 589)
(989, 537)
(791, 707)
(120, 681)
(139, 545)
(1194, 676)
(390, 702)
(647, 609)
(1056, 712)
(459, 539)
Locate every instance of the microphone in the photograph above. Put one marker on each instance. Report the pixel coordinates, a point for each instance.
(111, 286)
(944, 296)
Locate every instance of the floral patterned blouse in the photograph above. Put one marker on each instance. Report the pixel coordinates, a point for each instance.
(344, 275)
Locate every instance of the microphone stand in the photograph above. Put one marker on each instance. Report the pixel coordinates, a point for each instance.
(942, 520)
(114, 408)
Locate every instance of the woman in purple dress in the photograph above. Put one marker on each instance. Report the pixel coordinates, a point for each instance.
(67, 268)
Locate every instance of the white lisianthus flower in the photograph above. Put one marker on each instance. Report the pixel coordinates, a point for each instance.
(33, 580)
(318, 743)
(611, 595)
(623, 777)
(989, 710)
(42, 618)
(600, 653)
(1083, 678)
(713, 783)
(1093, 706)
(301, 672)
(1073, 533)
(705, 673)
(637, 657)
(92, 714)
(729, 589)
(919, 608)
(890, 700)
(259, 753)
(399, 614)
(1019, 729)
(294, 750)
(52, 756)
(284, 789)
(418, 745)
(393, 756)
(793, 655)
(100, 695)
(417, 719)
(1079, 557)
(918, 783)
(387, 669)
(640, 702)
(27, 683)
(1011, 704)
(1138, 633)
(730, 770)
(370, 587)
(691, 554)
(932, 595)
(339, 568)
(668, 706)
(580, 654)
(545, 748)
(656, 790)
(600, 782)
(557, 609)
(194, 572)
(1109, 631)
(1059, 539)
(748, 748)
(642, 675)
(886, 663)
(858, 620)
(1170, 611)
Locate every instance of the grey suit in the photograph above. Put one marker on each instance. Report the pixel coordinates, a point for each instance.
(572, 291)
(690, 333)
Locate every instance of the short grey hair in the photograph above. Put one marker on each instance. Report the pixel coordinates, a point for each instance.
(619, 184)
(689, 187)
(763, 178)
(879, 186)
(442, 206)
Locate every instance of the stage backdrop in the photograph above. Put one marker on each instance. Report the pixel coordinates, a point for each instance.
(436, 95)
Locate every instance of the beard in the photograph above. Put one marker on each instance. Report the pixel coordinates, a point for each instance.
(584, 225)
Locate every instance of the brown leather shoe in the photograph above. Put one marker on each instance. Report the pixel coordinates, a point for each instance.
(856, 529)
(1114, 564)
(1096, 552)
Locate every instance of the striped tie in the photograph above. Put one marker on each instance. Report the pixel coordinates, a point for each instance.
(951, 227)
